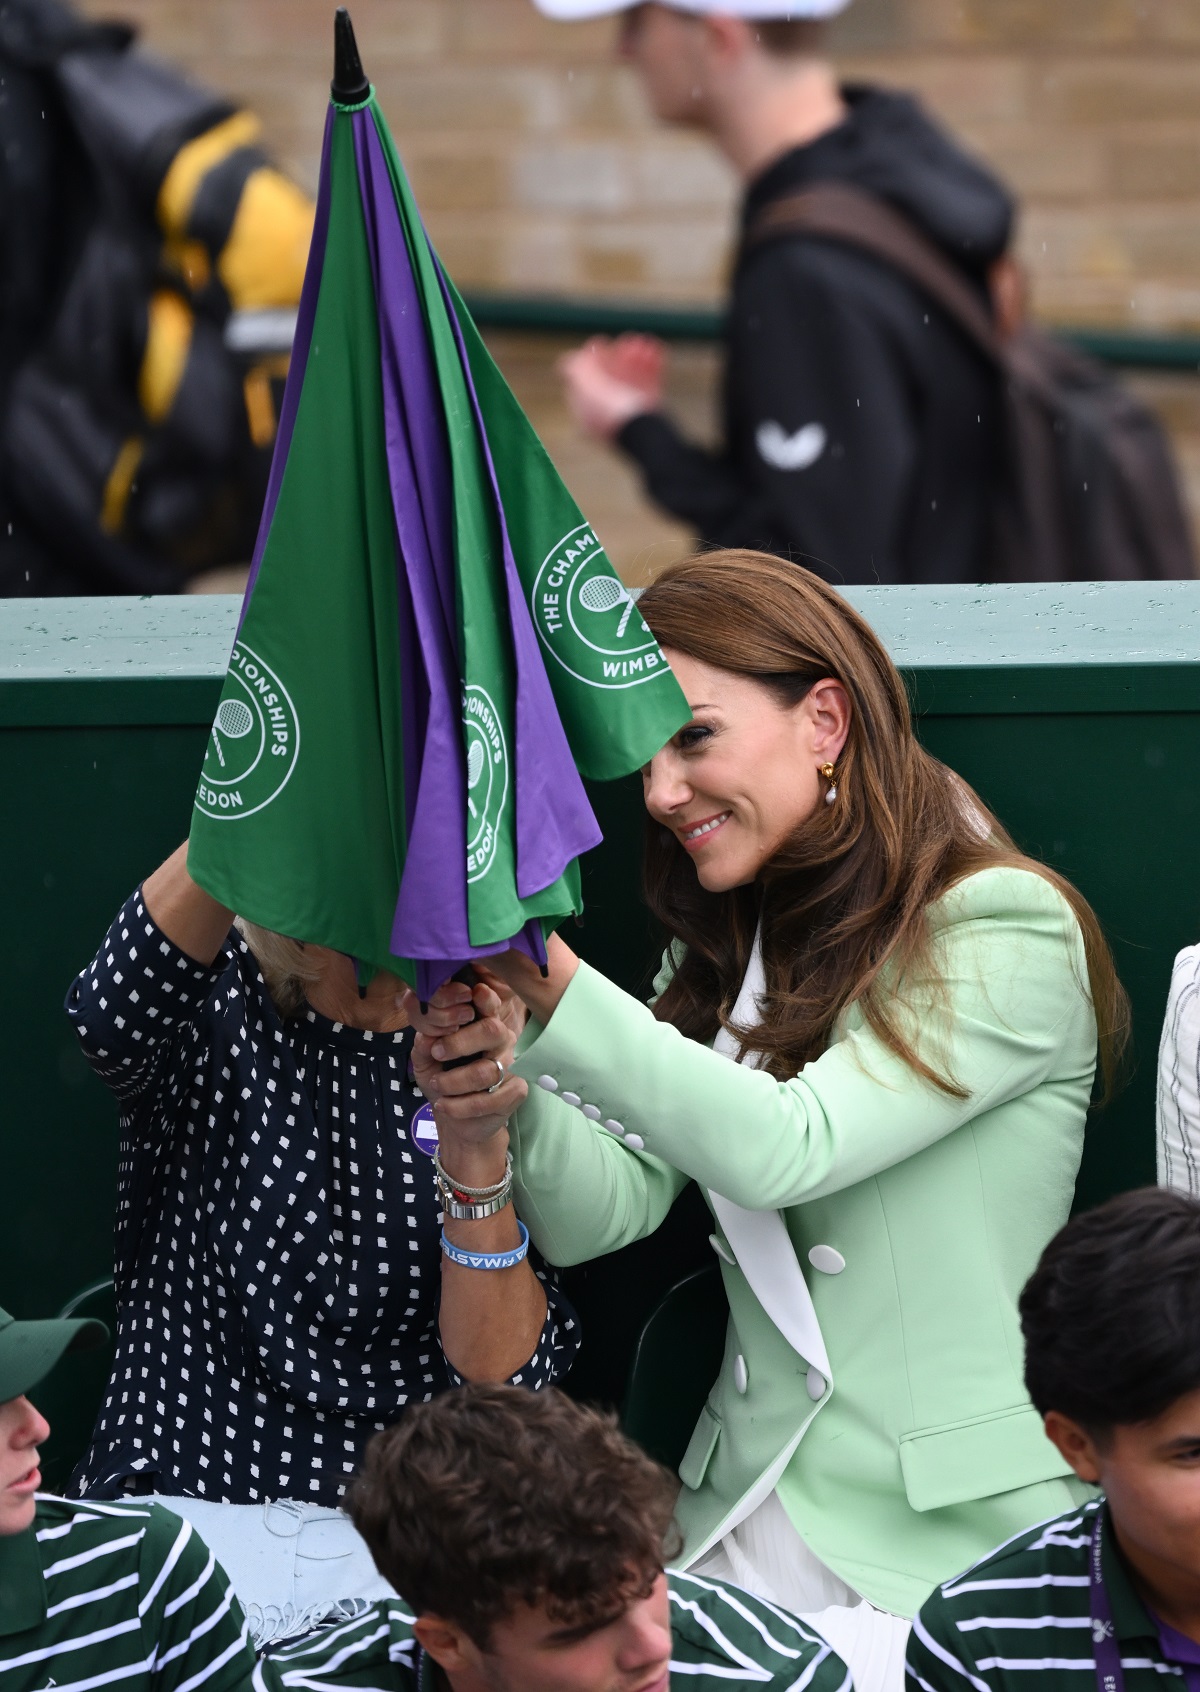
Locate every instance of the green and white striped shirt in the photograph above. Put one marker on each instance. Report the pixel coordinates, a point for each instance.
(1020, 1620)
(116, 1595)
(720, 1635)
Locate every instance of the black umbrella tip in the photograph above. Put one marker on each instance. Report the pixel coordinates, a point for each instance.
(349, 86)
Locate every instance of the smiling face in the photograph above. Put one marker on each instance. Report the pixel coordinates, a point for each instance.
(530, 1652)
(22, 1430)
(744, 773)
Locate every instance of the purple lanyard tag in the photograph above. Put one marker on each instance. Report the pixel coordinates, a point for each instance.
(1110, 1676)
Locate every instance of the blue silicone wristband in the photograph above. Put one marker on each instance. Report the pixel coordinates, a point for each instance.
(488, 1259)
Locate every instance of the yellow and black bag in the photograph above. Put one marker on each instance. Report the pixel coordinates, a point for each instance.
(142, 225)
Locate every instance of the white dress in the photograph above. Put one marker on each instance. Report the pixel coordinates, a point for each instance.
(766, 1555)
(764, 1552)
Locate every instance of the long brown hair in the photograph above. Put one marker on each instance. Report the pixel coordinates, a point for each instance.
(845, 898)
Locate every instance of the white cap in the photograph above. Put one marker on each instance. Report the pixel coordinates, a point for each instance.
(570, 10)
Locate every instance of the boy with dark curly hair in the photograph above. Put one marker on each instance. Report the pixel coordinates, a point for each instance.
(527, 1536)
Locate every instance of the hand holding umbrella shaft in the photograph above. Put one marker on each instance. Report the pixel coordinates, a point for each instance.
(467, 977)
(450, 1009)
(457, 1004)
(455, 1064)
(542, 993)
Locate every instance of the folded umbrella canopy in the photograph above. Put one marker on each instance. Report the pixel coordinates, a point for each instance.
(433, 646)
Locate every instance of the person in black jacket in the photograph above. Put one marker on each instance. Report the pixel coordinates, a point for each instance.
(861, 429)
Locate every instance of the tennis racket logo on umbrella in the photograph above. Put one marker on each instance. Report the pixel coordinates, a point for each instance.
(605, 593)
(253, 743)
(234, 720)
(475, 761)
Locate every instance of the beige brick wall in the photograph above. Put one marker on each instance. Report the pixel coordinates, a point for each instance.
(538, 168)
(537, 165)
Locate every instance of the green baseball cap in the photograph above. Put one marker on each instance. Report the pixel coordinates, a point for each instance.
(29, 1350)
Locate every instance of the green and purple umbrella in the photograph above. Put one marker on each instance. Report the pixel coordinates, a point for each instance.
(433, 646)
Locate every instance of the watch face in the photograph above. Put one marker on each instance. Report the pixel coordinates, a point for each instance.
(424, 1130)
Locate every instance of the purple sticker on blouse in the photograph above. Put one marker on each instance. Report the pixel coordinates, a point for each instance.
(424, 1130)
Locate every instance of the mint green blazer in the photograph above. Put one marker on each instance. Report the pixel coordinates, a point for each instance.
(923, 1451)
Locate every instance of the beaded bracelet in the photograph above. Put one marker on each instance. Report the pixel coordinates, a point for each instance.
(454, 1186)
(488, 1259)
(472, 1204)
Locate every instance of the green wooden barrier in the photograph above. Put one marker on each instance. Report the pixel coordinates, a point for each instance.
(1074, 710)
(566, 314)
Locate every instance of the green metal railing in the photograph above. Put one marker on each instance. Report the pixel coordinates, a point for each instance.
(553, 314)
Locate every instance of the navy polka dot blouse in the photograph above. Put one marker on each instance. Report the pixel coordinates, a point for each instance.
(278, 1263)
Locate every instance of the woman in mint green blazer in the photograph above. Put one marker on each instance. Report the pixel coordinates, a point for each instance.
(915, 1008)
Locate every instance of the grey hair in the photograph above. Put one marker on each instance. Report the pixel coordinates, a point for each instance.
(286, 967)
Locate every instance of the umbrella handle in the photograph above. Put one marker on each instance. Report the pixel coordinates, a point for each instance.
(467, 975)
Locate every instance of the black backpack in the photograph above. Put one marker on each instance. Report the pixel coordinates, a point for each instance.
(1088, 490)
(95, 495)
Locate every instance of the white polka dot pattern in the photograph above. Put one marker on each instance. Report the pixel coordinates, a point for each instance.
(277, 1239)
